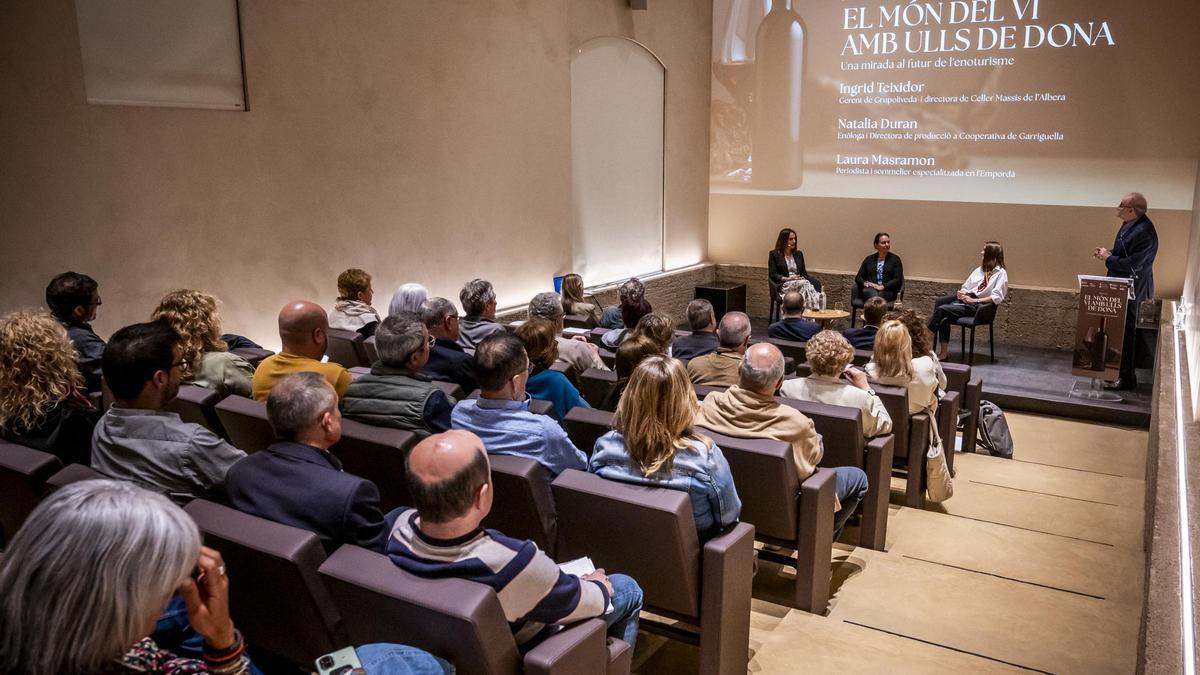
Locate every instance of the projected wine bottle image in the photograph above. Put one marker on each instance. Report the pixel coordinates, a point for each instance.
(1099, 347)
(777, 155)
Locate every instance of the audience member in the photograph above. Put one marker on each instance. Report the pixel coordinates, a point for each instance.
(408, 298)
(836, 382)
(893, 363)
(42, 403)
(658, 327)
(576, 353)
(449, 477)
(633, 307)
(73, 299)
(574, 301)
(303, 328)
(749, 409)
(478, 300)
(544, 383)
(210, 363)
(447, 360)
(703, 339)
(720, 369)
(501, 416)
(793, 326)
(863, 337)
(353, 310)
(136, 439)
(629, 354)
(986, 285)
(653, 443)
(297, 481)
(922, 343)
(396, 394)
(84, 580)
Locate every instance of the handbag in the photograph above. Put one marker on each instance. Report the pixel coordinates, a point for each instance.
(939, 484)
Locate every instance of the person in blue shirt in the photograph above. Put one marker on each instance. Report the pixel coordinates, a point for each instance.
(501, 416)
(539, 337)
(655, 444)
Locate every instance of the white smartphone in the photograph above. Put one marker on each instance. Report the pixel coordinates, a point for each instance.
(342, 662)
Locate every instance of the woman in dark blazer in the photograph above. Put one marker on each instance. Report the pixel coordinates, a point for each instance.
(784, 252)
(873, 280)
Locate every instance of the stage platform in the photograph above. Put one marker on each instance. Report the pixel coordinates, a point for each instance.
(1039, 380)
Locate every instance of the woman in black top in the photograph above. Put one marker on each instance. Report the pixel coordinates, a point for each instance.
(42, 405)
(881, 273)
(785, 262)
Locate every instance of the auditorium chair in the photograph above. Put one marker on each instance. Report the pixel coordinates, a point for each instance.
(23, 475)
(773, 295)
(649, 534)
(595, 385)
(346, 347)
(198, 405)
(277, 599)
(585, 425)
(785, 511)
(255, 355)
(377, 454)
(371, 351)
(841, 430)
(911, 435)
(457, 620)
(970, 391)
(577, 321)
(536, 405)
(522, 506)
(246, 422)
(857, 301)
(984, 316)
(72, 473)
(595, 335)
(448, 388)
(791, 349)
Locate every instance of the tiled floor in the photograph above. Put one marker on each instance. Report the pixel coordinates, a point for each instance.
(1034, 565)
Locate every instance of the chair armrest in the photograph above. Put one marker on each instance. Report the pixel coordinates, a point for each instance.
(814, 540)
(918, 444)
(971, 403)
(948, 424)
(879, 476)
(620, 657)
(579, 648)
(727, 566)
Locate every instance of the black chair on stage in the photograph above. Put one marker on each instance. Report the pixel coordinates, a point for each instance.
(984, 316)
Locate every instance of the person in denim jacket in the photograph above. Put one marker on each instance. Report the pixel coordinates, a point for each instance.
(654, 444)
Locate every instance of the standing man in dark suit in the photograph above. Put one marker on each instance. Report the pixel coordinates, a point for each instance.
(1132, 257)
(297, 482)
(785, 262)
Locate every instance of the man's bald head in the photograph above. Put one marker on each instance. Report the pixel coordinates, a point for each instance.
(444, 474)
(761, 369)
(733, 330)
(302, 327)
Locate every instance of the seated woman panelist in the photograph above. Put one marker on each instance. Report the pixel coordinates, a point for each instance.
(881, 273)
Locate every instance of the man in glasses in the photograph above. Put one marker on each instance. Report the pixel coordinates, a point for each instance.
(448, 361)
(396, 394)
(137, 439)
(1131, 257)
(73, 299)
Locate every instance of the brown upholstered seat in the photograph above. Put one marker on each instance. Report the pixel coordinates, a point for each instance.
(198, 405)
(245, 420)
(346, 347)
(255, 355)
(23, 474)
(790, 348)
(649, 534)
(370, 350)
(72, 473)
(458, 620)
(585, 425)
(911, 434)
(522, 505)
(841, 430)
(970, 391)
(577, 321)
(277, 599)
(595, 385)
(377, 454)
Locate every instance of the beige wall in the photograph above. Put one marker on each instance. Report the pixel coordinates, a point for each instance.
(421, 142)
(1044, 246)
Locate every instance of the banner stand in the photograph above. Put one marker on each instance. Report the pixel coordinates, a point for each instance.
(1093, 389)
(1104, 303)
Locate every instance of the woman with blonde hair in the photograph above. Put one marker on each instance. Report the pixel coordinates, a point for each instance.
(42, 402)
(575, 302)
(539, 337)
(207, 359)
(654, 443)
(892, 363)
(658, 327)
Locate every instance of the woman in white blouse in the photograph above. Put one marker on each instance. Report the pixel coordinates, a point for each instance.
(988, 284)
(892, 363)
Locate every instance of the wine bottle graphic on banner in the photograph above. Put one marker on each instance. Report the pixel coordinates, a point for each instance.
(1099, 348)
(777, 155)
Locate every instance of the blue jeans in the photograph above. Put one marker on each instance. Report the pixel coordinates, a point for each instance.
(851, 488)
(392, 659)
(174, 632)
(627, 607)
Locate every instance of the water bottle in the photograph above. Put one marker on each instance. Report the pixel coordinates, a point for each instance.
(822, 301)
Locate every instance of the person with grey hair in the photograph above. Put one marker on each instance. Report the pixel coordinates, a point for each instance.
(703, 339)
(749, 409)
(478, 300)
(297, 482)
(396, 394)
(720, 369)
(575, 352)
(793, 326)
(1132, 257)
(408, 298)
(92, 568)
(448, 362)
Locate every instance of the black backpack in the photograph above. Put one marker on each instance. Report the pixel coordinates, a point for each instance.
(993, 430)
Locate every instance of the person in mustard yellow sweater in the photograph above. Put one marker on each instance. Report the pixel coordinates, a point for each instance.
(302, 329)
